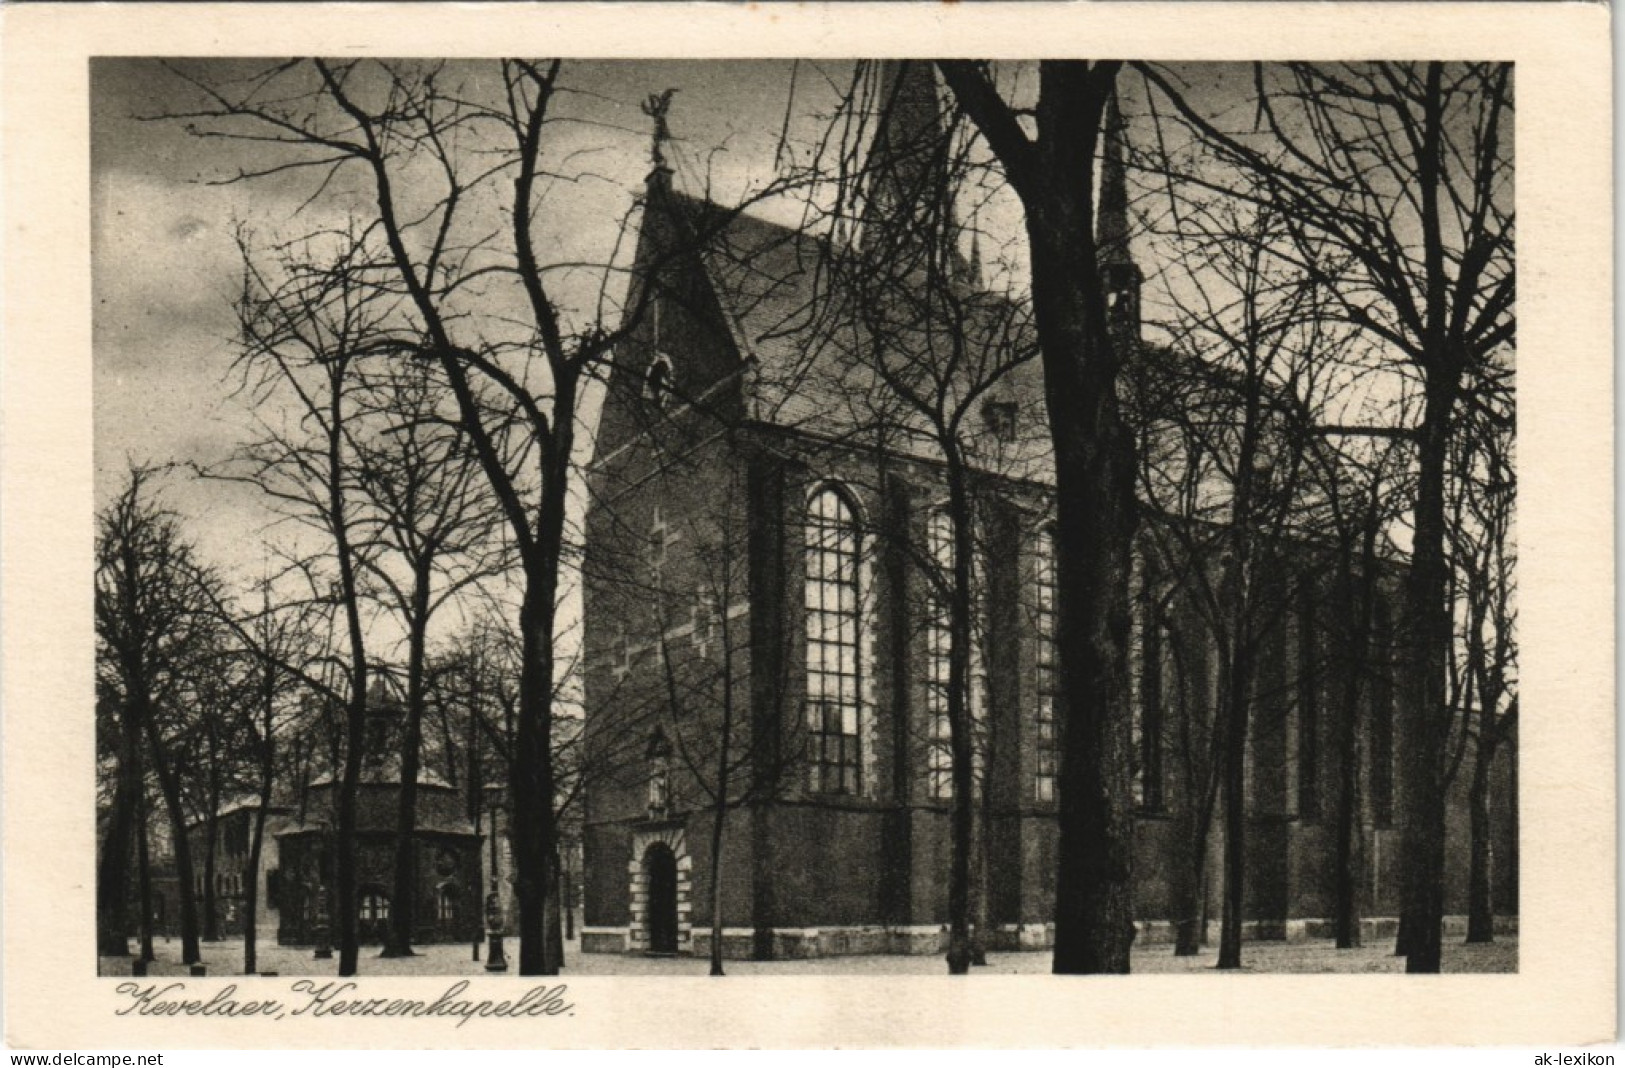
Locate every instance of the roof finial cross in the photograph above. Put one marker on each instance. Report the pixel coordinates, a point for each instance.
(656, 106)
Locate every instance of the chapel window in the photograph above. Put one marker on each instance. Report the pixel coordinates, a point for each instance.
(374, 906)
(834, 634)
(1046, 763)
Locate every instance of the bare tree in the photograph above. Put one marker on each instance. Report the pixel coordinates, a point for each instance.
(907, 333)
(1483, 677)
(703, 707)
(1258, 341)
(1052, 170)
(156, 637)
(440, 534)
(1398, 176)
(304, 325)
(279, 643)
(441, 150)
(1360, 480)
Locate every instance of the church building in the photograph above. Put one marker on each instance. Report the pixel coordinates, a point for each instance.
(764, 727)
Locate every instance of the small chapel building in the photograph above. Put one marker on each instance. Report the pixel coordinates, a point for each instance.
(448, 905)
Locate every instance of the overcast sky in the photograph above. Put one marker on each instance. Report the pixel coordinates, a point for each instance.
(165, 263)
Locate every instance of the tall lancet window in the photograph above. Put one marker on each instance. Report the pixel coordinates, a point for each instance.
(1154, 641)
(1046, 763)
(939, 652)
(834, 633)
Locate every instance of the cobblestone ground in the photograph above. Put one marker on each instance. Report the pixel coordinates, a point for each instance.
(225, 958)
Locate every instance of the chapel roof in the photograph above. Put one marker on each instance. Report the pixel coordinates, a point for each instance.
(785, 295)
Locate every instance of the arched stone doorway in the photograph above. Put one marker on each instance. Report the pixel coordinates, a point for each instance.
(660, 878)
(660, 891)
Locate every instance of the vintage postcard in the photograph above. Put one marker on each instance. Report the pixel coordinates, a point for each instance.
(907, 525)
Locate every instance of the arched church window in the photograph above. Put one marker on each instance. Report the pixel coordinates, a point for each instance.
(657, 382)
(1045, 755)
(446, 903)
(834, 636)
(939, 664)
(939, 761)
(1155, 644)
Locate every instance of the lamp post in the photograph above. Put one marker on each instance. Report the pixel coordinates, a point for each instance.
(323, 927)
(495, 959)
(324, 932)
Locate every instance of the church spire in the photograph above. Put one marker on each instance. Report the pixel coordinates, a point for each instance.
(1119, 274)
(903, 159)
(909, 190)
(1111, 220)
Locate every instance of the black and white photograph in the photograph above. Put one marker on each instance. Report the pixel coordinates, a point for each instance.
(864, 517)
(638, 516)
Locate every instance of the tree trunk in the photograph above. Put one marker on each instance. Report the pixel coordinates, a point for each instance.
(1094, 491)
(170, 786)
(403, 914)
(981, 844)
(476, 807)
(720, 816)
(1349, 874)
(1095, 505)
(1513, 831)
(982, 830)
(211, 829)
(344, 916)
(555, 910)
(1349, 861)
(1235, 806)
(118, 844)
(1481, 863)
(1423, 757)
(144, 862)
(531, 825)
(718, 823)
(1428, 621)
(1188, 889)
(1094, 927)
(251, 887)
(961, 767)
(256, 841)
(1053, 174)
(356, 708)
